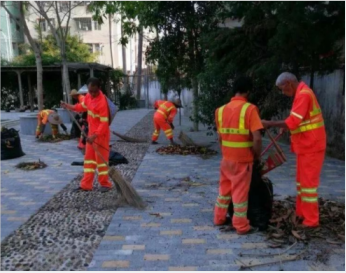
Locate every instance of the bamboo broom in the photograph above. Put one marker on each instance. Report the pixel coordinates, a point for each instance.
(123, 187)
(186, 140)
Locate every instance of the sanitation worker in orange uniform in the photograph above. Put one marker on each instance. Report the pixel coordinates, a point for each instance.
(163, 118)
(308, 142)
(238, 126)
(78, 97)
(98, 136)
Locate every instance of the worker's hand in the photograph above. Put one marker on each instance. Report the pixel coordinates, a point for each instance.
(64, 105)
(266, 123)
(91, 139)
(282, 131)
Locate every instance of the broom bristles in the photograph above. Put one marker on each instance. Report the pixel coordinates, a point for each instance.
(186, 140)
(126, 190)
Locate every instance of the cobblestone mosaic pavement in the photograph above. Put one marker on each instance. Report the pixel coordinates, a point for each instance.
(24, 192)
(176, 231)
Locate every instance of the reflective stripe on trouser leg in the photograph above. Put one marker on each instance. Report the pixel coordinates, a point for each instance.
(101, 166)
(310, 170)
(224, 198)
(298, 184)
(156, 133)
(241, 179)
(166, 128)
(89, 168)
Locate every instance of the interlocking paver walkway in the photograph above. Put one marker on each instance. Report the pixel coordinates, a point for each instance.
(176, 231)
(24, 192)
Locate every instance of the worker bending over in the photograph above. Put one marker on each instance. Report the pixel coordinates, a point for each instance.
(51, 117)
(238, 126)
(163, 118)
(95, 103)
(308, 142)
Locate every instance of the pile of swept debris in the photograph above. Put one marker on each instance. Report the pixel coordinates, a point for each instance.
(29, 166)
(58, 138)
(186, 150)
(286, 228)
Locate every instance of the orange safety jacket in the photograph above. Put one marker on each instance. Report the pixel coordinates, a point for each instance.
(306, 122)
(44, 115)
(81, 98)
(233, 126)
(98, 114)
(166, 109)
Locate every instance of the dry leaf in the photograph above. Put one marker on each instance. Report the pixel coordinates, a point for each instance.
(296, 234)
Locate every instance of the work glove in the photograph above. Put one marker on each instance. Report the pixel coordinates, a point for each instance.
(171, 124)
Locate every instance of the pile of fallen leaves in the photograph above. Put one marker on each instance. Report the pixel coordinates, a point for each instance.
(286, 228)
(186, 150)
(29, 166)
(59, 137)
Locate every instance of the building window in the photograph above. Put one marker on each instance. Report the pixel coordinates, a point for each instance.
(64, 6)
(90, 47)
(97, 26)
(98, 48)
(83, 24)
(44, 25)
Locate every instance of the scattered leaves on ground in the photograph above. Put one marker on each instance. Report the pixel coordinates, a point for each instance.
(59, 137)
(187, 150)
(29, 166)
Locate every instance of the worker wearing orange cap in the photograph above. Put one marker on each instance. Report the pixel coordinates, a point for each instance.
(163, 118)
(238, 126)
(308, 141)
(98, 136)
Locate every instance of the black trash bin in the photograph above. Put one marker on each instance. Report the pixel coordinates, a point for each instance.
(10, 144)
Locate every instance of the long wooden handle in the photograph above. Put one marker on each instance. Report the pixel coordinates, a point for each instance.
(271, 144)
(276, 145)
(84, 134)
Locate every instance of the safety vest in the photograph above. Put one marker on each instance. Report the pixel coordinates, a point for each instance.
(165, 107)
(314, 120)
(236, 141)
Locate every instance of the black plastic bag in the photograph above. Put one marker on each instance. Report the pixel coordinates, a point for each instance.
(260, 201)
(10, 144)
(75, 131)
(114, 159)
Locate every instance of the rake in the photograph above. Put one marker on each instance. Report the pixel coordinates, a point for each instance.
(123, 187)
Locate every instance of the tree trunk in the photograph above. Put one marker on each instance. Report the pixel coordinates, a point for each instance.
(110, 38)
(140, 53)
(195, 104)
(123, 49)
(39, 81)
(66, 80)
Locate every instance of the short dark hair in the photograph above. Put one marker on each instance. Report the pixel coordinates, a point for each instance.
(242, 85)
(94, 81)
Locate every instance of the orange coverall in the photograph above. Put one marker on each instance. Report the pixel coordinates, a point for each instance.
(42, 119)
(81, 98)
(163, 116)
(308, 142)
(235, 121)
(98, 120)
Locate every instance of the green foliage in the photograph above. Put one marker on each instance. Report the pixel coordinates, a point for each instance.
(127, 101)
(274, 37)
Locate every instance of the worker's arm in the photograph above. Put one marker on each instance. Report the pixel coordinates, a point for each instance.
(79, 107)
(172, 114)
(156, 104)
(217, 127)
(104, 120)
(298, 112)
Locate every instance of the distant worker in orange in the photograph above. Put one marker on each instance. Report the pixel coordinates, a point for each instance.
(95, 103)
(308, 142)
(238, 126)
(51, 117)
(77, 97)
(163, 118)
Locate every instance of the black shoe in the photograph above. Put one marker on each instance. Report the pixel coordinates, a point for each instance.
(105, 189)
(250, 231)
(154, 142)
(79, 189)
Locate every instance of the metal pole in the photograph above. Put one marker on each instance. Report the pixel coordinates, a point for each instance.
(20, 88)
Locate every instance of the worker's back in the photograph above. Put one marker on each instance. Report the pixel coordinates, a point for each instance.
(235, 122)
(165, 109)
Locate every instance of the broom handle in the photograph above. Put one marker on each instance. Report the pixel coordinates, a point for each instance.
(84, 134)
(276, 145)
(271, 144)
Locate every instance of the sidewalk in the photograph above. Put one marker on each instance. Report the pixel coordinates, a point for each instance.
(176, 231)
(24, 192)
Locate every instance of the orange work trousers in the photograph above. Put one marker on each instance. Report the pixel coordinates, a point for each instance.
(309, 168)
(235, 179)
(93, 161)
(160, 123)
(55, 128)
